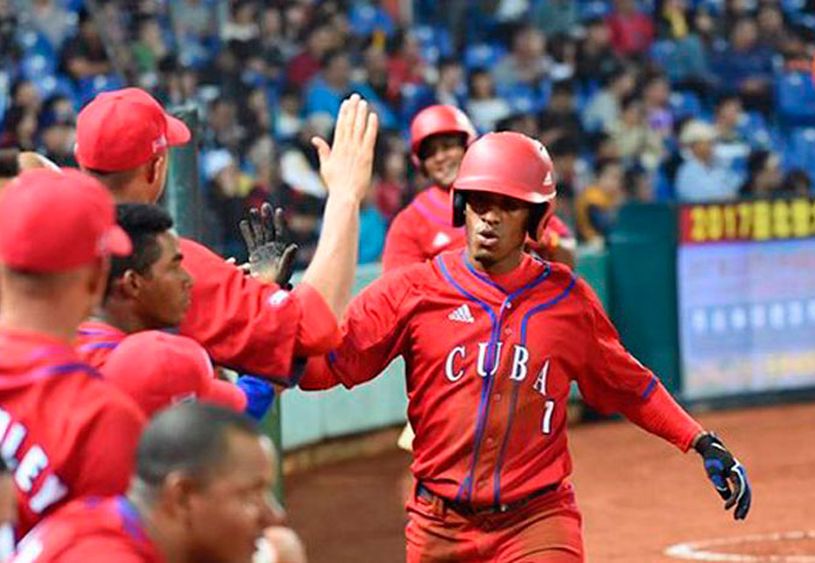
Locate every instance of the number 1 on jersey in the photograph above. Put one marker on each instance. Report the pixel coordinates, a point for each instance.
(548, 410)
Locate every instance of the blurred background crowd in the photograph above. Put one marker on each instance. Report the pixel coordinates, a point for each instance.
(687, 100)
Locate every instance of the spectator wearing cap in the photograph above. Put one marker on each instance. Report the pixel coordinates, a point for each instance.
(80, 431)
(701, 178)
(147, 292)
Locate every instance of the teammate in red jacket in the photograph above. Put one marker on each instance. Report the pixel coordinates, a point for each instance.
(253, 327)
(63, 431)
(149, 291)
(199, 493)
(439, 135)
(492, 339)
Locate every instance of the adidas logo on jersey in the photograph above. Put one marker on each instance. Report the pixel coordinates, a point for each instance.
(462, 315)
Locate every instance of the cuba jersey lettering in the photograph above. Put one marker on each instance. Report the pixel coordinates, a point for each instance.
(489, 366)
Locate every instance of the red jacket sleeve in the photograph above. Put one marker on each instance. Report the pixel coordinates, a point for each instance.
(373, 333)
(616, 381)
(249, 326)
(401, 246)
(107, 455)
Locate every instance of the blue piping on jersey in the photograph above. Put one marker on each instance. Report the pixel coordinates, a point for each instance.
(98, 346)
(650, 389)
(545, 274)
(486, 384)
(543, 306)
(505, 443)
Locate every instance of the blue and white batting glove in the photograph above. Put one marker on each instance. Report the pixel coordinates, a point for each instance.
(726, 473)
(259, 395)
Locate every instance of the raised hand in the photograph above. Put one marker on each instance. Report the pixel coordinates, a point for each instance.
(347, 165)
(271, 258)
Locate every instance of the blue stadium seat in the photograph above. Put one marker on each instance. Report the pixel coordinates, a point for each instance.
(53, 85)
(435, 42)
(685, 104)
(34, 43)
(414, 99)
(594, 9)
(90, 87)
(795, 99)
(662, 52)
(522, 98)
(483, 55)
(35, 66)
(800, 151)
(365, 19)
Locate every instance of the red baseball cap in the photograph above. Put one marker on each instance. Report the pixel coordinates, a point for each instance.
(58, 220)
(123, 129)
(158, 369)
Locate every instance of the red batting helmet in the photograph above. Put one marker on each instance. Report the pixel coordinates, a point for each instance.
(436, 120)
(509, 164)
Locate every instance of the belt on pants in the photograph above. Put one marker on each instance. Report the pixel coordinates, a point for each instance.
(467, 509)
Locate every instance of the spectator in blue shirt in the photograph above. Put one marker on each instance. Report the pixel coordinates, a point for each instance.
(333, 84)
(701, 178)
(745, 67)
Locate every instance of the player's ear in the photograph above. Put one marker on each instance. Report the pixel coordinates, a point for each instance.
(155, 167)
(131, 283)
(176, 494)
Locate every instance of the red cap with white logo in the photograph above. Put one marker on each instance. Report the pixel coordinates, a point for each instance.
(123, 129)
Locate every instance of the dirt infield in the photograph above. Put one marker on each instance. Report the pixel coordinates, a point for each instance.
(639, 496)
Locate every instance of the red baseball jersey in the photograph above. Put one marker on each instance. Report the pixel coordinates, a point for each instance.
(64, 431)
(249, 326)
(489, 363)
(424, 229)
(90, 530)
(156, 369)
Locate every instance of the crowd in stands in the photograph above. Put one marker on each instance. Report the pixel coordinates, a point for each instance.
(689, 100)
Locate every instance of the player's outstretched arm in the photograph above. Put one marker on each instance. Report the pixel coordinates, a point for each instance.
(346, 168)
(726, 473)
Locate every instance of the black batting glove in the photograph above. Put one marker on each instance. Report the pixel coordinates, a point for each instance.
(271, 258)
(726, 473)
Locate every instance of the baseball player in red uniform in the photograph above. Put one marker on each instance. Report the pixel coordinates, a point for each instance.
(63, 431)
(253, 327)
(199, 494)
(492, 339)
(149, 291)
(439, 135)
